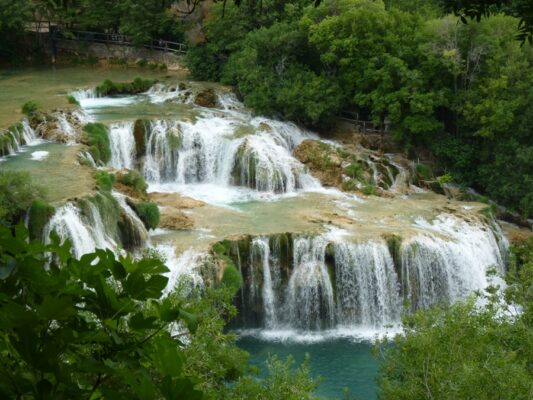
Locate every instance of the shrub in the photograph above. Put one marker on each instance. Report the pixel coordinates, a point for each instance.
(97, 136)
(39, 215)
(110, 88)
(134, 180)
(104, 180)
(354, 171)
(149, 214)
(231, 277)
(72, 100)
(369, 190)
(29, 107)
(424, 171)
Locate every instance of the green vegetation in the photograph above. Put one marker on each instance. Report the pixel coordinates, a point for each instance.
(72, 100)
(38, 216)
(149, 214)
(461, 91)
(104, 180)
(69, 331)
(29, 107)
(17, 193)
(465, 351)
(134, 180)
(232, 277)
(138, 85)
(97, 138)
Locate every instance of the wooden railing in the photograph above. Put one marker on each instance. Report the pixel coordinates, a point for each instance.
(119, 40)
(365, 126)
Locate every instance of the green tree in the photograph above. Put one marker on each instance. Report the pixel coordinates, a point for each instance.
(17, 192)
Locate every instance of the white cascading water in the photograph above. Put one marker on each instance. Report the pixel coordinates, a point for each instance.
(261, 250)
(134, 220)
(364, 289)
(210, 150)
(21, 136)
(310, 291)
(184, 265)
(122, 143)
(67, 222)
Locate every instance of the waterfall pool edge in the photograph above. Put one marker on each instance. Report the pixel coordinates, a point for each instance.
(341, 363)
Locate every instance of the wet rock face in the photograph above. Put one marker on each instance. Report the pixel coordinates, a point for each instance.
(175, 220)
(322, 160)
(206, 98)
(140, 133)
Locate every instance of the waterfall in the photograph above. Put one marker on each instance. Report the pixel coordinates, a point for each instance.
(17, 136)
(310, 291)
(183, 267)
(261, 250)
(134, 232)
(122, 144)
(367, 285)
(225, 152)
(335, 282)
(160, 93)
(67, 222)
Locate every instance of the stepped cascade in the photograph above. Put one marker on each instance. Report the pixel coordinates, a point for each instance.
(358, 277)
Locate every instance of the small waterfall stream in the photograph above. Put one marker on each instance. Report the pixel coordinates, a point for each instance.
(16, 137)
(122, 144)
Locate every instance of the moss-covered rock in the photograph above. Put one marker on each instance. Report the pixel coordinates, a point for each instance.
(140, 133)
(323, 161)
(131, 183)
(206, 98)
(97, 138)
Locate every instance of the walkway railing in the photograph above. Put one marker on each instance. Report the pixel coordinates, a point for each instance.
(365, 126)
(120, 40)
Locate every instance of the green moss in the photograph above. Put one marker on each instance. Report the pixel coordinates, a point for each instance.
(97, 137)
(354, 171)
(30, 107)
(134, 180)
(72, 100)
(349, 185)
(369, 190)
(149, 214)
(39, 214)
(104, 180)
(110, 88)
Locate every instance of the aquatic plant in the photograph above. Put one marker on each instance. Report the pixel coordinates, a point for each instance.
(149, 214)
(138, 85)
(29, 107)
(97, 137)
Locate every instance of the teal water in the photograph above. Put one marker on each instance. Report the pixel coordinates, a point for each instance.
(340, 363)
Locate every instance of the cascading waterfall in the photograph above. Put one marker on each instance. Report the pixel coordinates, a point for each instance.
(334, 282)
(184, 266)
(67, 222)
(261, 250)
(19, 135)
(136, 233)
(213, 150)
(122, 143)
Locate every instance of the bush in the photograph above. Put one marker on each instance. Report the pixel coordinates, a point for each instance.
(110, 88)
(369, 190)
(134, 180)
(232, 277)
(39, 215)
(17, 192)
(30, 107)
(97, 137)
(424, 171)
(149, 214)
(72, 100)
(104, 180)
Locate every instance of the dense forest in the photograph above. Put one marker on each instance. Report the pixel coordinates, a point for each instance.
(450, 77)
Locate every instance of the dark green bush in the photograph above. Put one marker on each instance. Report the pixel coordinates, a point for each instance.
(97, 137)
(149, 214)
(39, 215)
(30, 107)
